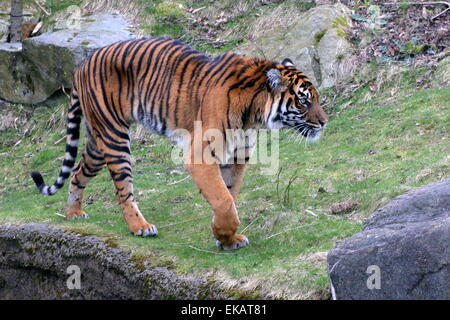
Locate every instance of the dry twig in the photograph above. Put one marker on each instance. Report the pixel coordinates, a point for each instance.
(175, 182)
(311, 213)
(41, 7)
(207, 251)
(286, 230)
(59, 140)
(64, 91)
(243, 230)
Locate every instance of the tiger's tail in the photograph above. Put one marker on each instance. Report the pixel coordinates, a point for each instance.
(73, 134)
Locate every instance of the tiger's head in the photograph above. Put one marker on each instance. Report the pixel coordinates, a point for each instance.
(295, 102)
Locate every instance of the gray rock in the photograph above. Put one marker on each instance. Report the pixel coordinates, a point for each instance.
(46, 62)
(336, 62)
(309, 64)
(428, 203)
(4, 30)
(15, 81)
(408, 240)
(314, 41)
(34, 263)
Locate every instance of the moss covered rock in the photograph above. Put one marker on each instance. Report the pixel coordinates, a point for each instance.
(315, 41)
(46, 63)
(37, 261)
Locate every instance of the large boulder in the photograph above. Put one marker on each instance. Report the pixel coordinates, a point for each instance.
(403, 251)
(315, 41)
(46, 63)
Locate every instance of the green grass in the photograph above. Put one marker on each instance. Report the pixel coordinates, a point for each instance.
(373, 150)
(318, 36)
(169, 18)
(60, 5)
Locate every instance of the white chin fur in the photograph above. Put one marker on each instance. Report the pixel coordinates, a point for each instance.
(274, 125)
(314, 137)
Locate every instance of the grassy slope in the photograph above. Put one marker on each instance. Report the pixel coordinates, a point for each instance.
(375, 147)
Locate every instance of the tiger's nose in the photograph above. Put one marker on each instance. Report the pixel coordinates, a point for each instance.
(323, 123)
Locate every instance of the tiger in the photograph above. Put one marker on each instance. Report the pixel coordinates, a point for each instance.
(165, 85)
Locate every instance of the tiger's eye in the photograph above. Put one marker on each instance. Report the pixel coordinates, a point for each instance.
(303, 100)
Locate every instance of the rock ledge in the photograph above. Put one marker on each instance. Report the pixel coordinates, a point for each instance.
(34, 261)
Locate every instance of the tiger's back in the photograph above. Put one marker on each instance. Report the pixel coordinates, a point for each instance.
(160, 83)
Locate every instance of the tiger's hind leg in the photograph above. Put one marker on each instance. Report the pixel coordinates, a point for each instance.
(233, 175)
(118, 160)
(89, 166)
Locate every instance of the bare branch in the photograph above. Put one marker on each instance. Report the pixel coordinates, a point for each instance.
(41, 7)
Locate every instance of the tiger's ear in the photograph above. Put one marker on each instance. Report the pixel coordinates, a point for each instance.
(288, 63)
(275, 80)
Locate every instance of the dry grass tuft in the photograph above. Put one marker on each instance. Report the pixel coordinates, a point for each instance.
(279, 17)
(253, 287)
(316, 257)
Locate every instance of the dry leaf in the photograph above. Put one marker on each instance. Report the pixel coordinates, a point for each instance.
(344, 207)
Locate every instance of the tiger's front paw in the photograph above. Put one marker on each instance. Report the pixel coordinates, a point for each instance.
(76, 214)
(237, 241)
(146, 230)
